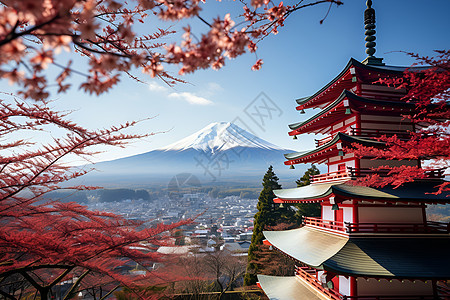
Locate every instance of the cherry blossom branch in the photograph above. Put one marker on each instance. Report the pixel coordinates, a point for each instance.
(14, 35)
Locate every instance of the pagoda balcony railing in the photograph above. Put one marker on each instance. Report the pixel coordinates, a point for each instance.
(309, 275)
(323, 141)
(306, 274)
(368, 133)
(330, 176)
(428, 227)
(362, 172)
(407, 228)
(353, 173)
(377, 133)
(318, 222)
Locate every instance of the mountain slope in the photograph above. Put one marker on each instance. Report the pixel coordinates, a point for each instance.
(221, 136)
(219, 152)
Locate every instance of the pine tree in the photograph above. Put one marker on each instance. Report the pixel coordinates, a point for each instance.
(306, 178)
(307, 209)
(269, 214)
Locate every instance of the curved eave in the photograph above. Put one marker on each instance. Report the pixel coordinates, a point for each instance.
(287, 288)
(308, 245)
(307, 102)
(420, 191)
(304, 156)
(402, 257)
(356, 103)
(420, 257)
(321, 113)
(312, 192)
(303, 102)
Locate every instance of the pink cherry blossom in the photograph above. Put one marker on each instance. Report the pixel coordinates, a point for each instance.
(257, 65)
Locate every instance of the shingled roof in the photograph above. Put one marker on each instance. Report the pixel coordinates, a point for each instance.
(287, 288)
(418, 191)
(387, 257)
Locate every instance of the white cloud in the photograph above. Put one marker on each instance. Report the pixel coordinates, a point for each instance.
(211, 89)
(191, 98)
(155, 87)
(215, 87)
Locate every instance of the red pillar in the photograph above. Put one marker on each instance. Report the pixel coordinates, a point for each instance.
(353, 286)
(355, 219)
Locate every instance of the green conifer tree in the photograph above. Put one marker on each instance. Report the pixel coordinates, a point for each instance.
(269, 214)
(307, 209)
(306, 178)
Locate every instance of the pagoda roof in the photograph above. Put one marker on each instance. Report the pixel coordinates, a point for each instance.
(418, 192)
(287, 288)
(336, 111)
(307, 245)
(417, 257)
(344, 79)
(305, 156)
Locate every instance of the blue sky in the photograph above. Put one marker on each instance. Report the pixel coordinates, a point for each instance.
(298, 61)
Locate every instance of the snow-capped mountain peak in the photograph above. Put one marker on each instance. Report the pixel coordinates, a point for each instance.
(220, 136)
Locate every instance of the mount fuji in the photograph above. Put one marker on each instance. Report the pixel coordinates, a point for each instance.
(220, 152)
(221, 136)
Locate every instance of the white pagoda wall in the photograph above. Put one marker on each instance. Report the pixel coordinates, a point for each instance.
(393, 214)
(334, 161)
(327, 213)
(377, 214)
(348, 214)
(344, 285)
(373, 287)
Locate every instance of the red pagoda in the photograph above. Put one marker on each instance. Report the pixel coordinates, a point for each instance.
(370, 243)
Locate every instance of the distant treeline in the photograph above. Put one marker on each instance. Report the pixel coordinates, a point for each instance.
(440, 213)
(103, 195)
(112, 195)
(247, 193)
